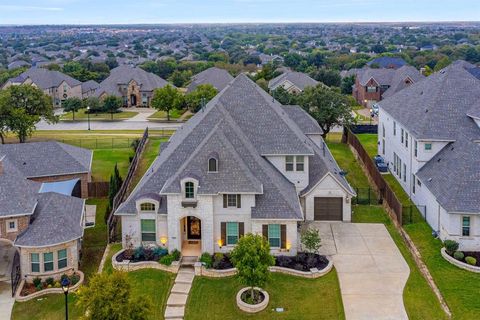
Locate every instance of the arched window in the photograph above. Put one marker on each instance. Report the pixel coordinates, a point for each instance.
(147, 206)
(212, 165)
(189, 190)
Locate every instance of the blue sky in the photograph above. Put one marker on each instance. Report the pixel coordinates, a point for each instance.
(196, 11)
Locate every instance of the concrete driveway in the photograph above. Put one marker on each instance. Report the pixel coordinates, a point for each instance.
(371, 270)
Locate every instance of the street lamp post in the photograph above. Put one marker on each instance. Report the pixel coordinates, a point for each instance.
(88, 117)
(65, 286)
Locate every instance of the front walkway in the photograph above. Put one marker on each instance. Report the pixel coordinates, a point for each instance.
(371, 270)
(179, 295)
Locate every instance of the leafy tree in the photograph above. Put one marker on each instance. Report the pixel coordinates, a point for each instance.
(202, 93)
(111, 62)
(111, 104)
(285, 97)
(7, 74)
(114, 186)
(378, 48)
(327, 106)
(109, 296)
(262, 83)
(166, 99)
(347, 84)
(251, 256)
(316, 58)
(93, 104)
(311, 241)
(22, 107)
(442, 63)
(328, 77)
(180, 78)
(72, 104)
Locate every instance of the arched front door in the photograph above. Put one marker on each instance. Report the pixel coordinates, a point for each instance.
(133, 100)
(191, 229)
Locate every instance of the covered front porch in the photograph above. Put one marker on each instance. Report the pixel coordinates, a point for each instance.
(191, 236)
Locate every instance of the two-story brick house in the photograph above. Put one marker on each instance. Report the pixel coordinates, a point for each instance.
(246, 164)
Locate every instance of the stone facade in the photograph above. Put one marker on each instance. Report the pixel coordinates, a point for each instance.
(85, 178)
(21, 223)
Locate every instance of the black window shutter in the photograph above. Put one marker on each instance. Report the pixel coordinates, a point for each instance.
(224, 200)
(265, 231)
(223, 227)
(283, 236)
(239, 200)
(241, 229)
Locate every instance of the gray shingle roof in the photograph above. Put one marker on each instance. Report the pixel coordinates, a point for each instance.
(50, 158)
(122, 75)
(299, 79)
(218, 78)
(239, 125)
(303, 120)
(57, 219)
(389, 77)
(437, 108)
(90, 85)
(45, 79)
(399, 80)
(388, 62)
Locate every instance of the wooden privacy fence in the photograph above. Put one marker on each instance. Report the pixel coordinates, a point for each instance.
(98, 189)
(122, 192)
(385, 192)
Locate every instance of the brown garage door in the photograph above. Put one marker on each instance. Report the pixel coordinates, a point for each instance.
(327, 209)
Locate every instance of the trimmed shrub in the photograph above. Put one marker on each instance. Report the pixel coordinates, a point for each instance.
(458, 255)
(139, 253)
(167, 260)
(206, 259)
(471, 261)
(176, 255)
(37, 281)
(450, 246)
(49, 281)
(74, 278)
(159, 252)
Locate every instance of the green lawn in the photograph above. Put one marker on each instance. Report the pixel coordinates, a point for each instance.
(460, 288)
(81, 115)
(369, 141)
(149, 154)
(420, 301)
(162, 115)
(104, 161)
(301, 298)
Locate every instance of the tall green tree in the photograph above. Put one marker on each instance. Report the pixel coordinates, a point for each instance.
(22, 107)
(251, 256)
(328, 77)
(110, 296)
(93, 104)
(72, 104)
(111, 104)
(285, 97)
(114, 186)
(202, 94)
(166, 99)
(347, 84)
(329, 107)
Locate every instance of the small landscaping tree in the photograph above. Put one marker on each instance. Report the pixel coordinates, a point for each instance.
(109, 297)
(252, 258)
(116, 182)
(72, 104)
(93, 104)
(166, 99)
(111, 104)
(311, 241)
(450, 246)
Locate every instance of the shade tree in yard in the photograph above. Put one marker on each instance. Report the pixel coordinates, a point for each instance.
(112, 104)
(166, 99)
(72, 105)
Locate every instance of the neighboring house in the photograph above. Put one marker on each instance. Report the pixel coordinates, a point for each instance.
(387, 63)
(41, 207)
(430, 135)
(57, 85)
(293, 82)
(372, 85)
(272, 58)
(218, 78)
(134, 85)
(17, 64)
(89, 88)
(245, 165)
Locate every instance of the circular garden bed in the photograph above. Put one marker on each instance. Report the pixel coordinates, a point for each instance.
(252, 304)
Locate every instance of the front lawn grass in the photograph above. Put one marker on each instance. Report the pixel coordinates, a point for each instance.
(301, 298)
(420, 301)
(162, 115)
(81, 115)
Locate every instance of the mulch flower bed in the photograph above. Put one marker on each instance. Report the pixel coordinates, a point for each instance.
(302, 261)
(475, 254)
(38, 285)
(258, 297)
(142, 254)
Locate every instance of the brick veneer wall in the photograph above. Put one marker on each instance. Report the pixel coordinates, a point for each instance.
(84, 178)
(22, 224)
(361, 94)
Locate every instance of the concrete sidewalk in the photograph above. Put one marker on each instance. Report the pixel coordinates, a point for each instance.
(371, 270)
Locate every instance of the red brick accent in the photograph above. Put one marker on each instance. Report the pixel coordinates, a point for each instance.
(22, 224)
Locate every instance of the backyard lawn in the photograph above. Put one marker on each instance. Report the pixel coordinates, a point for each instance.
(420, 301)
(299, 297)
(460, 288)
(83, 116)
(149, 154)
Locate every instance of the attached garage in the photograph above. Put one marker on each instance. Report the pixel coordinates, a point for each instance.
(328, 208)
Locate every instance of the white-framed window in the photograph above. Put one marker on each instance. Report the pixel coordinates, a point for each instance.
(383, 130)
(274, 235)
(401, 136)
(466, 226)
(394, 128)
(416, 148)
(289, 163)
(62, 258)
(35, 262)
(404, 172)
(148, 228)
(147, 206)
(189, 190)
(48, 261)
(232, 233)
(11, 225)
(371, 89)
(413, 183)
(300, 163)
(231, 200)
(428, 146)
(212, 165)
(406, 139)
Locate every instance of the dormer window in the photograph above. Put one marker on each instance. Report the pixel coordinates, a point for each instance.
(212, 165)
(147, 206)
(189, 190)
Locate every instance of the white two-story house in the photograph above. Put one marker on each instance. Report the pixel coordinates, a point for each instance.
(430, 135)
(243, 164)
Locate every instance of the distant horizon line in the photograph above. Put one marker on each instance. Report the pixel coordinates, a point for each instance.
(238, 23)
